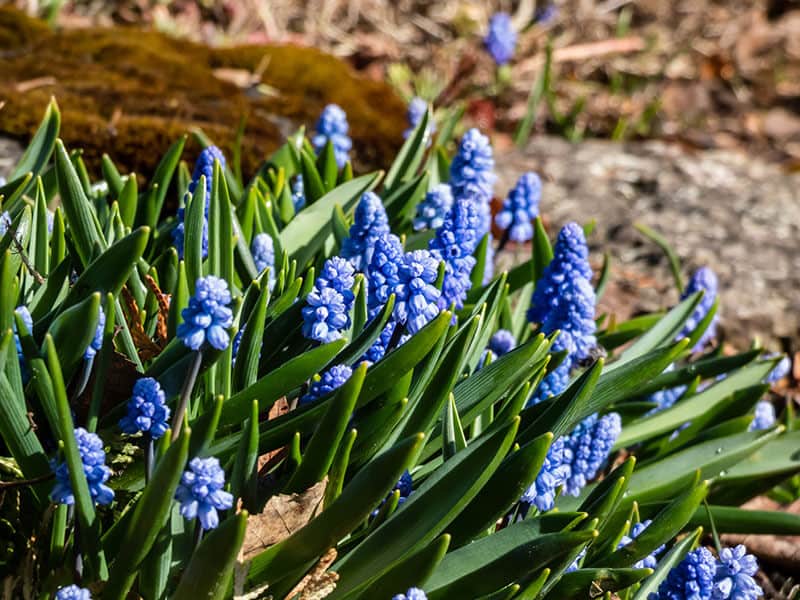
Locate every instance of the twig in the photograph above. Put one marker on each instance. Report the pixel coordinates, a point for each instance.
(7, 485)
(24, 257)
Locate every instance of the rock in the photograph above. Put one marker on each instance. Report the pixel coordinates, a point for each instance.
(131, 93)
(735, 213)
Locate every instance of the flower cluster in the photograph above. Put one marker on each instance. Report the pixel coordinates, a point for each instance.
(332, 126)
(405, 485)
(649, 561)
(705, 280)
(454, 243)
(370, 224)
(204, 165)
(200, 492)
(692, 579)
(520, 208)
(93, 457)
(542, 492)
(472, 174)
(330, 380)
(412, 594)
(147, 409)
(666, 398)
(416, 109)
(501, 40)
(298, 193)
(417, 297)
(699, 576)
(72, 592)
(564, 301)
(764, 416)
(208, 316)
(502, 342)
(586, 449)
(5, 223)
(433, 209)
(263, 250)
(780, 371)
(97, 342)
(329, 302)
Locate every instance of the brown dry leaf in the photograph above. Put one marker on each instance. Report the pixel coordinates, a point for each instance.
(282, 516)
(318, 583)
(163, 308)
(146, 347)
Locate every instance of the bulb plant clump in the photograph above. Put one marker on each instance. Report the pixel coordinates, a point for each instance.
(310, 384)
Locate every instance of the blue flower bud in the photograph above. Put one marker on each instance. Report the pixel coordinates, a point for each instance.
(332, 125)
(501, 40)
(93, 457)
(201, 492)
(208, 316)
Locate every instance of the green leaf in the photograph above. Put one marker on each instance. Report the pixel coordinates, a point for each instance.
(497, 560)
(84, 229)
(358, 498)
(670, 419)
(160, 183)
(542, 250)
(194, 220)
(279, 382)
(309, 230)
(453, 439)
(672, 257)
(313, 187)
(129, 200)
(40, 149)
(149, 515)
(409, 158)
(512, 478)
(208, 574)
(328, 168)
(111, 176)
(243, 476)
(73, 330)
(665, 565)
(245, 370)
(338, 469)
(428, 511)
(730, 519)
(590, 583)
(358, 347)
(89, 524)
(39, 244)
(412, 571)
(319, 454)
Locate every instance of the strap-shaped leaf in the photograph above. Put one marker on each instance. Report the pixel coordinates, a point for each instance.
(160, 184)
(584, 583)
(149, 515)
(209, 573)
(313, 187)
(730, 519)
(358, 347)
(279, 382)
(73, 330)
(322, 447)
(311, 227)
(194, 225)
(665, 565)
(38, 152)
(453, 440)
(428, 511)
(409, 158)
(245, 370)
(359, 497)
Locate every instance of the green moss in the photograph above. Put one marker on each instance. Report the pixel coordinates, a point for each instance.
(131, 93)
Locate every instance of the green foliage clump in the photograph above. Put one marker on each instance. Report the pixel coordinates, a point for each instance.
(316, 502)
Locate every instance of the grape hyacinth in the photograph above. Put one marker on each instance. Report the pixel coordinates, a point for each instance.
(97, 342)
(72, 592)
(204, 165)
(405, 485)
(554, 382)
(668, 397)
(332, 125)
(520, 208)
(5, 223)
(501, 40)
(200, 492)
(329, 302)
(454, 243)
(780, 371)
(147, 409)
(552, 475)
(93, 457)
(298, 193)
(369, 225)
(416, 109)
(649, 561)
(472, 175)
(25, 315)
(383, 272)
(502, 342)
(208, 316)
(330, 380)
(417, 296)
(433, 209)
(734, 575)
(586, 449)
(263, 251)
(764, 416)
(706, 280)
(692, 579)
(379, 347)
(412, 594)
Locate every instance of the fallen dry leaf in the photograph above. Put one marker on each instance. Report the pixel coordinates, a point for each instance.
(145, 346)
(163, 308)
(282, 516)
(318, 583)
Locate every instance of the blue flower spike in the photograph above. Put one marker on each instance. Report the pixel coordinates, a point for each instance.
(691, 579)
(330, 380)
(201, 494)
(520, 208)
(501, 40)
(332, 125)
(93, 457)
(369, 225)
(147, 410)
(97, 342)
(705, 280)
(208, 317)
(734, 575)
(72, 592)
(434, 208)
(327, 313)
(412, 594)
(416, 109)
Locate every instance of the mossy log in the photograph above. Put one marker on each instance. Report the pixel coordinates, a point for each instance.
(131, 93)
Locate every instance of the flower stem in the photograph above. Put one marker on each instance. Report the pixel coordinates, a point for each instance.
(186, 391)
(86, 373)
(149, 458)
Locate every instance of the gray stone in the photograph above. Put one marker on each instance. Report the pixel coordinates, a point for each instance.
(735, 213)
